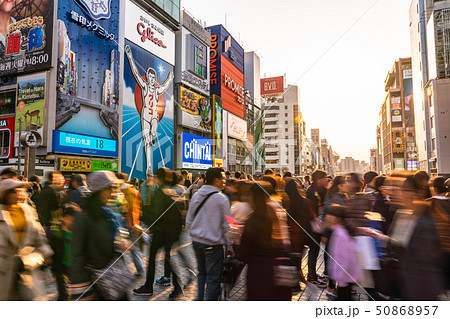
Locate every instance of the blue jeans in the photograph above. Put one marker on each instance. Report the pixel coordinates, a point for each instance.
(210, 264)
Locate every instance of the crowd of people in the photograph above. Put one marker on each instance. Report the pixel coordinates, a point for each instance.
(387, 235)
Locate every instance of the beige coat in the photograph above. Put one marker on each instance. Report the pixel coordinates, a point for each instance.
(33, 249)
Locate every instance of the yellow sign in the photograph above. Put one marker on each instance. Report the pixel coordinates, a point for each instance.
(75, 165)
(190, 101)
(397, 136)
(217, 162)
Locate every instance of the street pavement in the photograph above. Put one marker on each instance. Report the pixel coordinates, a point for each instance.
(236, 293)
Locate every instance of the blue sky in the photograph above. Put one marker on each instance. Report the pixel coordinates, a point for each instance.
(341, 94)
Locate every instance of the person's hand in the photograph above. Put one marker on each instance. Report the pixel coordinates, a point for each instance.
(124, 245)
(368, 231)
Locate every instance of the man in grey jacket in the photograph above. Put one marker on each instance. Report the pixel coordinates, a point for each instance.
(208, 228)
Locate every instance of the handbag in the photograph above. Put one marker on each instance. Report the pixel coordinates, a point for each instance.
(112, 281)
(316, 225)
(287, 269)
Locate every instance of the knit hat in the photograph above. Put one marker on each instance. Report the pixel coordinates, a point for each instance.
(7, 184)
(100, 180)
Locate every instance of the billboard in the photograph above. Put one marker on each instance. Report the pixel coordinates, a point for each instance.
(148, 100)
(88, 68)
(227, 70)
(397, 135)
(196, 110)
(30, 102)
(71, 143)
(26, 42)
(217, 131)
(274, 85)
(7, 137)
(237, 127)
(197, 151)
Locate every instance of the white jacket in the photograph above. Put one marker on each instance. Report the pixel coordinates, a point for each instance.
(210, 226)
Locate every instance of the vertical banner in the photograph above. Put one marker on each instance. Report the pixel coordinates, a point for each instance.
(260, 150)
(148, 100)
(30, 103)
(26, 44)
(217, 131)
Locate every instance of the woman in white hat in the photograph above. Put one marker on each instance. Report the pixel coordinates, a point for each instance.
(94, 246)
(23, 246)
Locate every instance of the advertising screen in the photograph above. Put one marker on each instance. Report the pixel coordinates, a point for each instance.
(66, 142)
(7, 137)
(197, 151)
(88, 68)
(217, 130)
(148, 101)
(274, 85)
(26, 46)
(237, 127)
(196, 110)
(232, 89)
(30, 102)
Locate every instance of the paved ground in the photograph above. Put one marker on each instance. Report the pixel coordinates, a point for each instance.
(236, 293)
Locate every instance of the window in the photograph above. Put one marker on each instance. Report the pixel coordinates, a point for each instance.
(8, 102)
(286, 114)
(432, 122)
(4, 143)
(285, 107)
(272, 130)
(433, 144)
(286, 130)
(286, 122)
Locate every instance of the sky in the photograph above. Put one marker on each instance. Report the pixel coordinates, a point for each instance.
(342, 92)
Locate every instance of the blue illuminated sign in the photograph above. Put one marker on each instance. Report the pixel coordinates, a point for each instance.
(65, 142)
(197, 151)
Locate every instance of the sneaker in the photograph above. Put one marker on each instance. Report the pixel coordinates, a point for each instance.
(143, 291)
(163, 281)
(318, 283)
(331, 292)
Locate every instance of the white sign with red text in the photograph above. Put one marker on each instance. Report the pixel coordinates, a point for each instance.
(237, 127)
(148, 33)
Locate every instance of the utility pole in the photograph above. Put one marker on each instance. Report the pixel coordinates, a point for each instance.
(19, 149)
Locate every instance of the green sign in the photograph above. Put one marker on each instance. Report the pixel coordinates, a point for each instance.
(105, 166)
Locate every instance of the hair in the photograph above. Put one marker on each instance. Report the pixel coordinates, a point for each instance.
(184, 172)
(229, 181)
(287, 174)
(237, 175)
(243, 188)
(249, 177)
(21, 178)
(203, 176)
(379, 181)
(318, 174)
(438, 184)
(50, 175)
(258, 227)
(268, 172)
(272, 184)
(307, 179)
(165, 175)
(336, 210)
(420, 176)
(369, 176)
(354, 178)
(334, 189)
(212, 173)
(77, 179)
(177, 177)
(11, 172)
(71, 210)
(228, 173)
(34, 179)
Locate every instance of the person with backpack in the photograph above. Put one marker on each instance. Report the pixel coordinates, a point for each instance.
(208, 228)
(164, 220)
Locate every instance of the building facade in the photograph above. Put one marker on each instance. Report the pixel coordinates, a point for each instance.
(397, 129)
(430, 52)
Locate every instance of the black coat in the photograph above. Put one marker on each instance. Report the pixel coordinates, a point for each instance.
(92, 245)
(46, 203)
